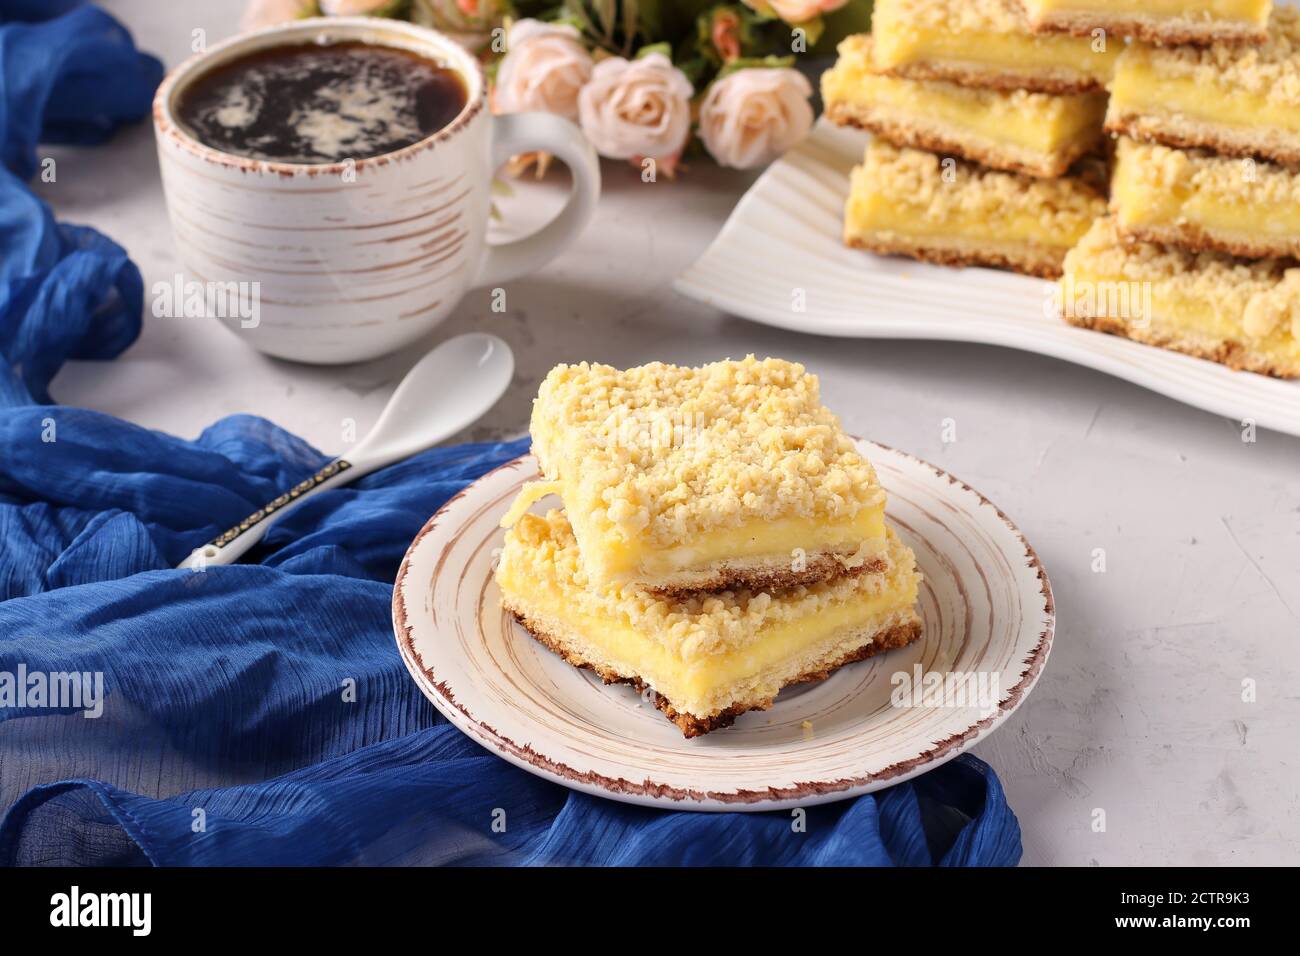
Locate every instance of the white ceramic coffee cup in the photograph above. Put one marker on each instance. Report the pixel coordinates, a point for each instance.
(352, 260)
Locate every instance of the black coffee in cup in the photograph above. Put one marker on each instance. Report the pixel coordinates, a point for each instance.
(321, 103)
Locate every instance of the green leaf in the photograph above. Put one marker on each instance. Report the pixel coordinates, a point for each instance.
(631, 9)
(696, 69)
(755, 62)
(663, 47)
(396, 10)
(607, 11)
(576, 11)
(650, 18)
(812, 30)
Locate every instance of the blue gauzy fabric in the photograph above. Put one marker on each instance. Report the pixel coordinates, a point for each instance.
(65, 291)
(72, 79)
(222, 689)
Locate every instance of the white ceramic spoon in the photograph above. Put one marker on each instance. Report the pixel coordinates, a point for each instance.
(446, 391)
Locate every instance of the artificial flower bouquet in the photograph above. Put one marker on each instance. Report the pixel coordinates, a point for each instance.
(647, 80)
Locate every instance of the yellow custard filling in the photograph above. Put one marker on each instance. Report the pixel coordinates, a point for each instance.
(758, 539)
(1198, 317)
(1248, 11)
(612, 559)
(1206, 295)
(1154, 185)
(1140, 88)
(1239, 86)
(1034, 121)
(990, 33)
(690, 650)
(916, 193)
(691, 686)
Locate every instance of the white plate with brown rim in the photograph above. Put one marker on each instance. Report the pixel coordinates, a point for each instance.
(985, 602)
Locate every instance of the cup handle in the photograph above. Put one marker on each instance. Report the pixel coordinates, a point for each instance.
(514, 133)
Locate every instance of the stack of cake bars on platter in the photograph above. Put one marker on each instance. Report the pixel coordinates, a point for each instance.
(989, 120)
(721, 537)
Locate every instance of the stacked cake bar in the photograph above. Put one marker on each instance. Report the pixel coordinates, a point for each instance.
(987, 116)
(721, 537)
(980, 128)
(1205, 198)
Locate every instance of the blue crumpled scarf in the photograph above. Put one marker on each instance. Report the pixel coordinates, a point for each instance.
(224, 736)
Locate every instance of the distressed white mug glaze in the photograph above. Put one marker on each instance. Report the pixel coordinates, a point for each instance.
(354, 260)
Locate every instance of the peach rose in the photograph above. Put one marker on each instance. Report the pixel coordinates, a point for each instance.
(751, 116)
(544, 68)
(633, 109)
(795, 11)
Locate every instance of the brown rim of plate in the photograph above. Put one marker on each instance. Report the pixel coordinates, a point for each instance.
(944, 749)
(170, 128)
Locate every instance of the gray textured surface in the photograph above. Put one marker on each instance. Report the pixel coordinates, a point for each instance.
(1140, 711)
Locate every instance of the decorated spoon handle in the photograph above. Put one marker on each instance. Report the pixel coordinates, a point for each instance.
(231, 544)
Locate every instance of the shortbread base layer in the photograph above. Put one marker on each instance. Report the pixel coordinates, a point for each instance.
(1233, 354)
(1149, 28)
(924, 133)
(1058, 81)
(1184, 133)
(854, 645)
(764, 574)
(1025, 258)
(1201, 239)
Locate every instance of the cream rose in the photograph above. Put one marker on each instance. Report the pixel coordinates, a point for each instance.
(544, 68)
(751, 116)
(632, 109)
(795, 11)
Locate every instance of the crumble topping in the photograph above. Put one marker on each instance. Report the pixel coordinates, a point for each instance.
(914, 181)
(1230, 179)
(669, 453)
(1262, 295)
(1276, 310)
(1270, 69)
(542, 551)
(951, 16)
